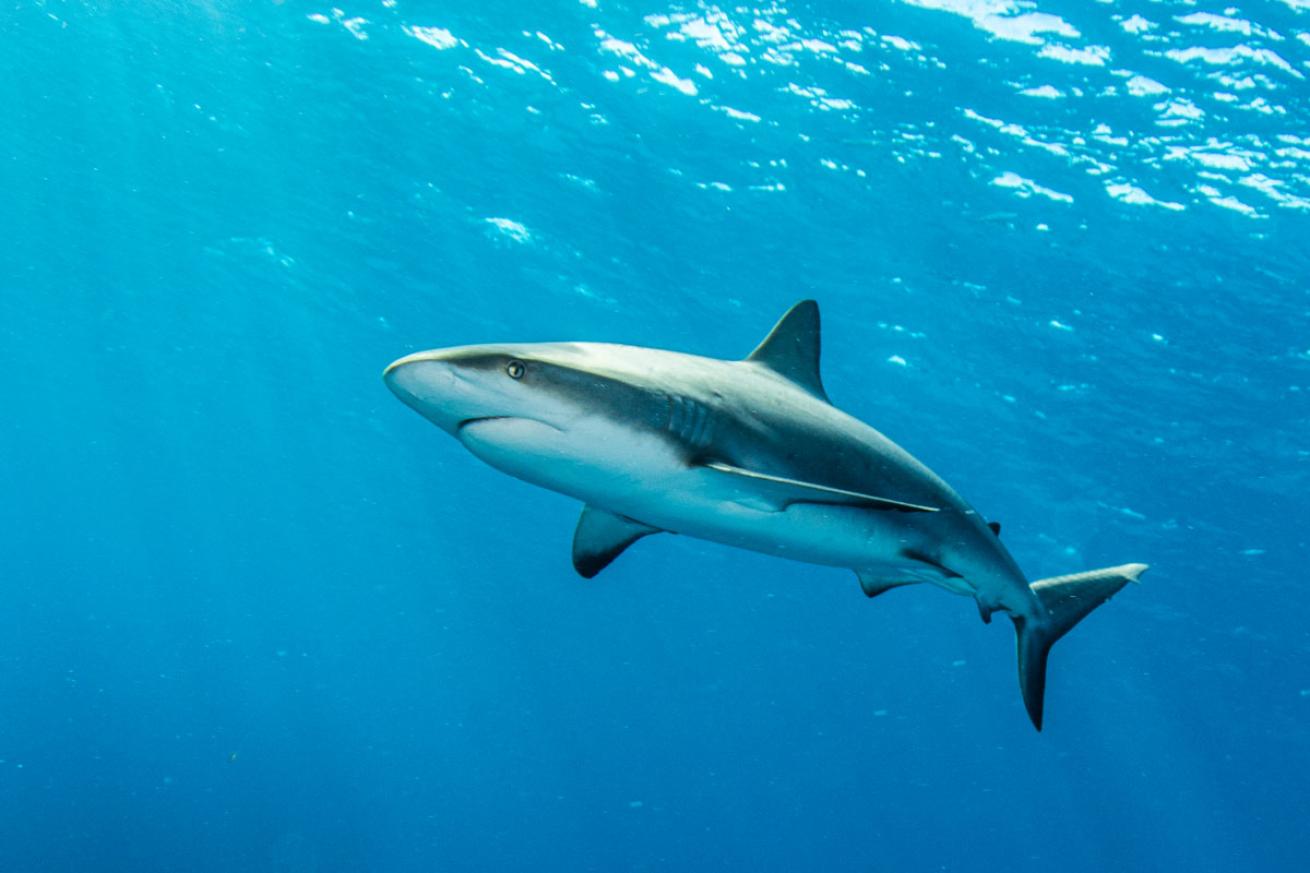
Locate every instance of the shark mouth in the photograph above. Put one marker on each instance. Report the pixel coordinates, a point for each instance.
(482, 419)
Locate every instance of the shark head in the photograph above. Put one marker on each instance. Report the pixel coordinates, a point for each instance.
(468, 386)
(548, 413)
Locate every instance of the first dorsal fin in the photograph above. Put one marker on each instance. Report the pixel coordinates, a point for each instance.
(792, 348)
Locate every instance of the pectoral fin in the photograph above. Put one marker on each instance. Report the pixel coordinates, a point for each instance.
(782, 492)
(601, 536)
(872, 584)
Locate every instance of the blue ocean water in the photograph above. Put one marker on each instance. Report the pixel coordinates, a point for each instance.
(259, 616)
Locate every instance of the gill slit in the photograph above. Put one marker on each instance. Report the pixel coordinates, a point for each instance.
(692, 423)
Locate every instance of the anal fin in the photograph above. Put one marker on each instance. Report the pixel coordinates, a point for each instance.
(601, 536)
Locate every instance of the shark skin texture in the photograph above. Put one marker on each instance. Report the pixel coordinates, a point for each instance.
(748, 453)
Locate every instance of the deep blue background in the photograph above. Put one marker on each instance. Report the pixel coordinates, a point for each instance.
(257, 615)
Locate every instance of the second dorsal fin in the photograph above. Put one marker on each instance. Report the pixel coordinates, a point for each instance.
(792, 348)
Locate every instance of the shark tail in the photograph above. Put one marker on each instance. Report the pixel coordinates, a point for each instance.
(1065, 601)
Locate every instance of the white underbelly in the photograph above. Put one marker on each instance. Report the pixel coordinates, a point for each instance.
(699, 506)
(644, 479)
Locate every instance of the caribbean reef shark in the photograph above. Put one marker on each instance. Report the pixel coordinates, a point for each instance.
(748, 453)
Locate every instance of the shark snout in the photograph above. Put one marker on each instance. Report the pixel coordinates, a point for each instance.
(455, 386)
(407, 376)
(433, 386)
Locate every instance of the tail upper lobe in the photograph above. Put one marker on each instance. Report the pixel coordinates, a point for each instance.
(1065, 601)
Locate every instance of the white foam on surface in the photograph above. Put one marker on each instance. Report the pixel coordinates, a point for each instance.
(1024, 187)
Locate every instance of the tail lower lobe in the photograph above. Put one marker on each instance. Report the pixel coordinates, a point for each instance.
(1065, 601)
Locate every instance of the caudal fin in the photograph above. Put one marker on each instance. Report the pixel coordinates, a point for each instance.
(1066, 600)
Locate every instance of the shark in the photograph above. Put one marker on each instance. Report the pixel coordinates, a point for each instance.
(748, 453)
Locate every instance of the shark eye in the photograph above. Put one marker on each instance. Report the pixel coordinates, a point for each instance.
(514, 369)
